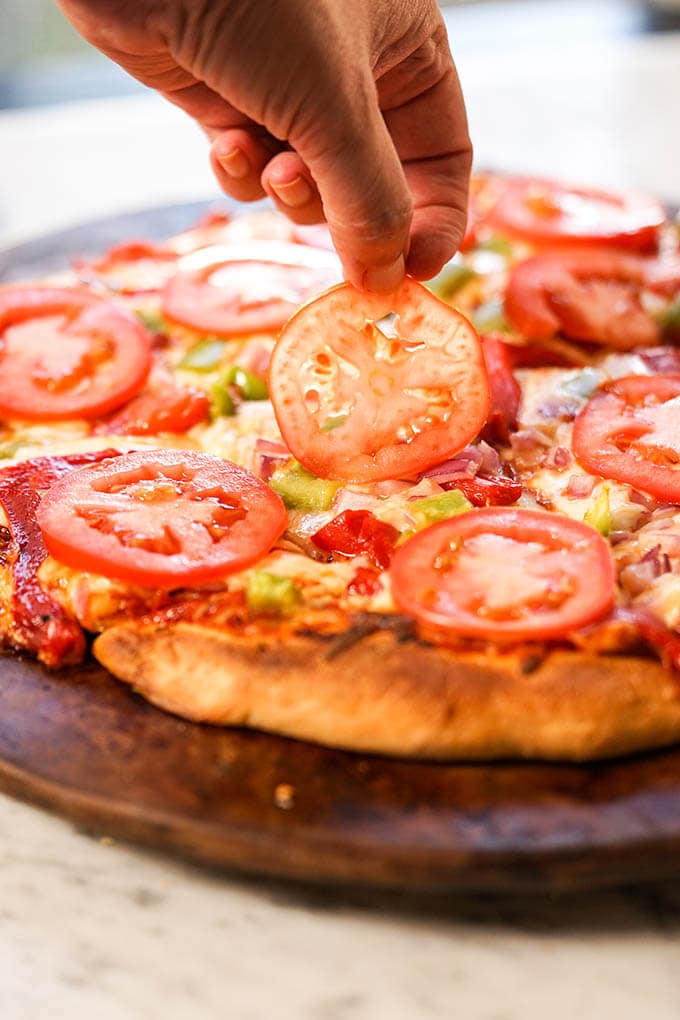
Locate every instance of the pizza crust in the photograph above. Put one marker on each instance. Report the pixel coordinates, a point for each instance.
(403, 698)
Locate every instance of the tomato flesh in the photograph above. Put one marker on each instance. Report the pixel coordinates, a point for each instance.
(135, 267)
(551, 213)
(247, 288)
(591, 297)
(364, 395)
(167, 407)
(505, 390)
(67, 354)
(505, 575)
(630, 431)
(162, 518)
(357, 532)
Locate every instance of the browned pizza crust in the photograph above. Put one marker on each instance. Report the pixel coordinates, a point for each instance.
(403, 698)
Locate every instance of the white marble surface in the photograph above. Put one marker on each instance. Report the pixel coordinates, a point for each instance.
(99, 930)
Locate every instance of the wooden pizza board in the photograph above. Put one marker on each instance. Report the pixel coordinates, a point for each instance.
(78, 742)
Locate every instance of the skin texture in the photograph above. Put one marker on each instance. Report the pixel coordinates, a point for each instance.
(337, 109)
(402, 698)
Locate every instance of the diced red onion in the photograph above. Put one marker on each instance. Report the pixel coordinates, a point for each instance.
(635, 577)
(661, 359)
(580, 486)
(269, 456)
(558, 459)
(478, 459)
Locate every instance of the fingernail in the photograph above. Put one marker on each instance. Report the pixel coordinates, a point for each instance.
(385, 278)
(235, 163)
(294, 194)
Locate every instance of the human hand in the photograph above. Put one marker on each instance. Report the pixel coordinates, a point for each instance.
(348, 110)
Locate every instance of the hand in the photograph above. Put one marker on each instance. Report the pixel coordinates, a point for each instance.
(345, 109)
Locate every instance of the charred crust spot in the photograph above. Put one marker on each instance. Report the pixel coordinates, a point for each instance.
(530, 663)
(365, 624)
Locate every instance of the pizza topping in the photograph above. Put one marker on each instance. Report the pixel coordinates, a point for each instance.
(635, 578)
(39, 623)
(163, 518)
(629, 431)
(506, 393)
(247, 288)
(365, 583)
(270, 595)
(659, 361)
(164, 406)
(368, 387)
(593, 297)
(234, 385)
(548, 212)
(134, 267)
(432, 509)
(599, 515)
(67, 354)
(204, 356)
(356, 533)
(301, 490)
(481, 490)
(665, 642)
(505, 575)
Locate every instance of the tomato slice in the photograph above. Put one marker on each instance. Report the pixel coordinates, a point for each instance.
(553, 213)
(505, 390)
(67, 354)
(368, 387)
(163, 407)
(505, 575)
(135, 267)
(587, 296)
(629, 430)
(161, 518)
(252, 287)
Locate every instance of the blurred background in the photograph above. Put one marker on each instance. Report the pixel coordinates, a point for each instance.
(42, 60)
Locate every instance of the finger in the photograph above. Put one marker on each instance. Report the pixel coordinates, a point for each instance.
(363, 188)
(289, 183)
(430, 133)
(439, 191)
(238, 156)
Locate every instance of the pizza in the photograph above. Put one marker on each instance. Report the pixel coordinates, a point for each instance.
(442, 523)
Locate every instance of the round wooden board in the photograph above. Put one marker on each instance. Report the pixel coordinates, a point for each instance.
(78, 742)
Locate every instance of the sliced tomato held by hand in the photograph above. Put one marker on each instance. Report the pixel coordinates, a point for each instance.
(67, 354)
(505, 575)
(254, 287)
(367, 387)
(161, 518)
(630, 431)
(551, 213)
(594, 297)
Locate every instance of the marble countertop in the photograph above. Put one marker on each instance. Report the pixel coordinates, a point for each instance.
(96, 929)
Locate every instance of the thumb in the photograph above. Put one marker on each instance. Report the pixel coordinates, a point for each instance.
(366, 200)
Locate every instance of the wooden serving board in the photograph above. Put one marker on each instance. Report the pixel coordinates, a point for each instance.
(80, 743)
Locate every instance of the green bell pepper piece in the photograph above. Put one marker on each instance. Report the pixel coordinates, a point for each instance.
(204, 356)
(272, 595)
(433, 509)
(301, 490)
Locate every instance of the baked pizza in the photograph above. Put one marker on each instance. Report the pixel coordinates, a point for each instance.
(443, 523)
